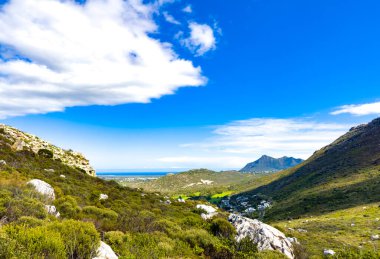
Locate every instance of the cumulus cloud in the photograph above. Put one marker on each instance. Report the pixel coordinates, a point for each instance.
(57, 54)
(188, 9)
(170, 19)
(275, 137)
(201, 38)
(359, 109)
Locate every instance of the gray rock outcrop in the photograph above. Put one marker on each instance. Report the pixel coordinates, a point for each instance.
(210, 211)
(20, 141)
(52, 210)
(263, 235)
(43, 188)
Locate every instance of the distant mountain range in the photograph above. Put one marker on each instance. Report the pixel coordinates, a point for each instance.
(270, 164)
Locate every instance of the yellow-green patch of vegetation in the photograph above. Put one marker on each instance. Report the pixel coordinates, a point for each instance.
(345, 231)
(221, 195)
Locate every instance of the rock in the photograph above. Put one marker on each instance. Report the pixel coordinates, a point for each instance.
(18, 145)
(181, 200)
(328, 252)
(105, 252)
(168, 202)
(375, 237)
(206, 182)
(210, 211)
(3, 220)
(263, 235)
(293, 240)
(2, 162)
(103, 196)
(62, 176)
(207, 208)
(302, 230)
(43, 187)
(49, 170)
(24, 141)
(52, 210)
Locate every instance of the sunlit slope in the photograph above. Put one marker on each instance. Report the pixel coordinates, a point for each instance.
(203, 182)
(343, 174)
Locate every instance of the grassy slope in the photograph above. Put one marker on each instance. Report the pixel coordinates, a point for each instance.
(342, 175)
(342, 230)
(224, 183)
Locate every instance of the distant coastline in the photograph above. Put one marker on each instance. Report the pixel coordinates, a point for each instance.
(133, 174)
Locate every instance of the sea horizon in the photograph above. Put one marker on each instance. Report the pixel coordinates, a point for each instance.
(133, 174)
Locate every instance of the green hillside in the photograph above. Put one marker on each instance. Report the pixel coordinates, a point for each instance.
(351, 233)
(133, 223)
(341, 175)
(203, 182)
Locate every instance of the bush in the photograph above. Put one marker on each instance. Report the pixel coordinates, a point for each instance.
(116, 240)
(32, 242)
(246, 248)
(46, 153)
(25, 207)
(29, 221)
(98, 213)
(67, 207)
(222, 228)
(80, 238)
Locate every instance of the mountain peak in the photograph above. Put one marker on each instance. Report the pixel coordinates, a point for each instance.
(269, 164)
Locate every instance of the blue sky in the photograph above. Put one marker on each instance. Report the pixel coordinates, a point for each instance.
(273, 77)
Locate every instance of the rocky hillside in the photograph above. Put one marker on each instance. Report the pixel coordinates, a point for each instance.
(20, 141)
(270, 164)
(341, 175)
(52, 209)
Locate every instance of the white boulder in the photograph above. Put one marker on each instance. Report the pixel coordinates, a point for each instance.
(263, 235)
(103, 196)
(43, 188)
(328, 252)
(2, 162)
(375, 237)
(210, 211)
(105, 252)
(52, 210)
(206, 182)
(62, 176)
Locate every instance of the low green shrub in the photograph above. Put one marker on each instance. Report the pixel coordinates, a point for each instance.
(46, 153)
(222, 228)
(67, 207)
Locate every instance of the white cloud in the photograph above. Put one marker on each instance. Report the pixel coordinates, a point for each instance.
(201, 38)
(97, 53)
(274, 137)
(359, 109)
(188, 9)
(169, 18)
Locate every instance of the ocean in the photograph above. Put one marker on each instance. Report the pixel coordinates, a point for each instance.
(132, 174)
